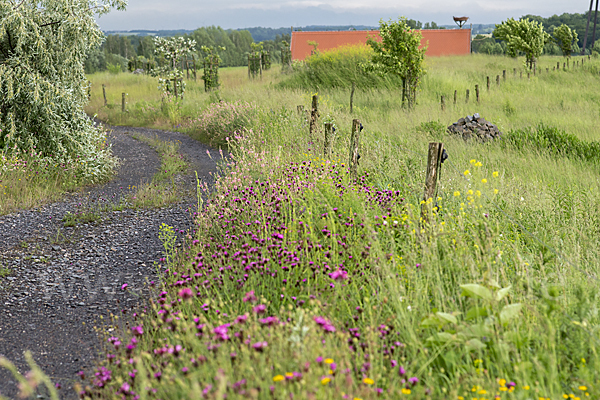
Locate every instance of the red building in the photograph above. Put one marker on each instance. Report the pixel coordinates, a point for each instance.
(440, 42)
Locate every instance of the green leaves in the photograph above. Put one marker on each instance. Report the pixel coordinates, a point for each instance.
(477, 291)
(524, 36)
(398, 53)
(509, 312)
(566, 38)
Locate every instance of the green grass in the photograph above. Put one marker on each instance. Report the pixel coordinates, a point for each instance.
(162, 190)
(499, 285)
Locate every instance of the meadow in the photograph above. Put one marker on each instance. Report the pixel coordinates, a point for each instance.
(302, 281)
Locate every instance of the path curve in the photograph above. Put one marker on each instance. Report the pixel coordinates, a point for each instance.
(65, 282)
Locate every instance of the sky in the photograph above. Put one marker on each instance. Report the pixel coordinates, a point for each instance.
(232, 14)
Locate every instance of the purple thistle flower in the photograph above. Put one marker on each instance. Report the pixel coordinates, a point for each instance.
(137, 330)
(259, 309)
(339, 275)
(259, 346)
(186, 293)
(250, 297)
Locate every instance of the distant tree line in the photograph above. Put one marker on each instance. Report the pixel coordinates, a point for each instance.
(577, 22)
(118, 51)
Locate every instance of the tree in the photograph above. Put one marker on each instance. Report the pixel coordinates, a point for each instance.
(565, 37)
(172, 50)
(43, 47)
(398, 53)
(525, 36)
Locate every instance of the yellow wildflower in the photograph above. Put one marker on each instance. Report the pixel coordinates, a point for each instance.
(473, 161)
(325, 381)
(495, 174)
(502, 382)
(482, 391)
(289, 374)
(405, 391)
(526, 387)
(484, 180)
(456, 193)
(582, 388)
(329, 361)
(466, 172)
(368, 381)
(278, 378)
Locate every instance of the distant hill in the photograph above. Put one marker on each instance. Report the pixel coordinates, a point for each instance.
(260, 34)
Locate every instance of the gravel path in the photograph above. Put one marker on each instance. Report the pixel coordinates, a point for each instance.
(65, 282)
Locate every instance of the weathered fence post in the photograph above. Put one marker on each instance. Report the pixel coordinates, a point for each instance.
(497, 80)
(528, 75)
(558, 65)
(354, 143)
(547, 70)
(328, 139)
(477, 93)
(352, 97)
(488, 82)
(515, 72)
(122, 102)
(455, 94)
(565, 66)
(521, 74)
(314, 115)
(104, 94)
(434, 163)
(443, 103)
(467, 99)
(504, 75)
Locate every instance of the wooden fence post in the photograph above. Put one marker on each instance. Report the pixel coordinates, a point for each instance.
(497, 80)
(443, 100)
(314, 115)
(122, 102)
(328, 139)
(534, 69)
(521, 74)
(455, 93)
(477, 93)
(547, 70)
(467, 100)
(515, 72)
(488, 82)
(104, 94)
(354, 143)
(528, 75)
(352, 97)
(504, 75)
(434, 163)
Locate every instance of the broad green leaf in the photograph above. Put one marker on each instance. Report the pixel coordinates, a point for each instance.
(509, 312)
(475, 290)
(440, 338)
(475, 344)
(430, 321)
(476, 312)
(445, 317)
(500, 294)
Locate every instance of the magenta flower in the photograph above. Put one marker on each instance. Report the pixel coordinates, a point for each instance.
(339, 275)
(137, 330)
(259, 309)
(241, 319)
(259, 346)
(124, 286)
(186, 293)
(250, 297)
(270, 321)
(413, 381)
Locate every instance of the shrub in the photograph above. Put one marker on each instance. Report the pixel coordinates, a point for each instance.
(338, 68)
(221, 120)
(551, 140)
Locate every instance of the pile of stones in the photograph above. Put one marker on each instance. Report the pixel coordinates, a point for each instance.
(475, 127)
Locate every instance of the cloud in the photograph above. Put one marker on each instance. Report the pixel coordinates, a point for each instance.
(191, 14)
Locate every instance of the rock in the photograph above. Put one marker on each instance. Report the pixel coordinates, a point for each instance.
(475, 126)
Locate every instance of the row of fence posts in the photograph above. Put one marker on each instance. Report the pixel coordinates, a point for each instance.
(124, 95)
(488, 82)
(436, 154)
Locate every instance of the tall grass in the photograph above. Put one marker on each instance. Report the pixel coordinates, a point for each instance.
(303, 282)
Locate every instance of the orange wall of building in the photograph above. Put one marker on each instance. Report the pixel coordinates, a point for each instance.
(441, 42)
